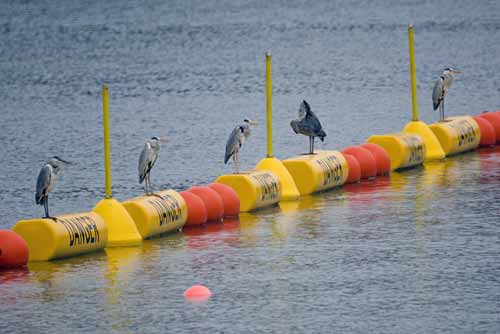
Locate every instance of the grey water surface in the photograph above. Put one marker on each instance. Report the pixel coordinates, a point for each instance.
(417, 252)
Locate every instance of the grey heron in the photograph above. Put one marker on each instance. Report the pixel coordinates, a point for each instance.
(236, 139)
(46, 181)
(308, 124)
(147, 160)
(441, 88)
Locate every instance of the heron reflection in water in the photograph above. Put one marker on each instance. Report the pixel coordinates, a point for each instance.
(236, 139)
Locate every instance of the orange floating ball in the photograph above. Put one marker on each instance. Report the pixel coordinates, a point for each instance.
(14, 250)
(213, 202)
(197, 212)
(354, 169)
(494, 119)
(229, 197)
(381, 157)
(488, 134)
(197, 292)
(365, 158)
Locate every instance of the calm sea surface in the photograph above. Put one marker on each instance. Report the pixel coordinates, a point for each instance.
(414, 253)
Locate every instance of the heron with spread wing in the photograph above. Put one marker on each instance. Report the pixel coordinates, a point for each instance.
(308, 124)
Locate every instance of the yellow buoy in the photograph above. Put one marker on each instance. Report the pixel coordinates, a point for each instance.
(67, 235)
(320, 171)
(457, 134)
(405, 149)
(289, 190)
(256, 189)
(433, 149)
(163, 212)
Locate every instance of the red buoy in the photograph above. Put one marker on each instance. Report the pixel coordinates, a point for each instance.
(488, 134)
(354, 174)
(197, 293)
(213, 202)
(365, 158)
(14, 252)
(197, 212)
(381, 157)
(494, 119)
(230, 199)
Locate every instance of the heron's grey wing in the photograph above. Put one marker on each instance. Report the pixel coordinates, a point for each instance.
(233, 143)
(144, 162)
(437, 93)
(313, 123)
(302, 110)
(42, 184)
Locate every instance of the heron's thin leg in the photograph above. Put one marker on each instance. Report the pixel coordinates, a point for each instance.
(236, 163)
(149, 184)
(442, 103)
(312, 150)
(46, 207)
(310, 145)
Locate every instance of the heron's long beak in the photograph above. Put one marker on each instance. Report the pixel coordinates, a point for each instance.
(253, 123)
(163, 140)
(456, 71)
(66, 162)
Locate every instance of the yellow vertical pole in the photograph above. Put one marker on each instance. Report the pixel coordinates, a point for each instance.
(413, 74)
(107, 160)
(269, 105)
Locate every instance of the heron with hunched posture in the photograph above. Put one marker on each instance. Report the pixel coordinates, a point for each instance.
(308, 124)
(441, 88)
(46, 181)
(236, 139)
(148, 157)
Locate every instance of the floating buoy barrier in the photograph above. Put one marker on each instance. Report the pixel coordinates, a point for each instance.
(457, 134)
(365, 158)
(382, 159)
(488, 134)
(196, 210)
(354, 174)
(256, 189)
(163, 212)
(229, 197)
(289, 191)
(14, 251)
(494, 119)
(122, 230)
(433, 149)
(213, 202)
(316, 172)
(405, 149)
(64, 236)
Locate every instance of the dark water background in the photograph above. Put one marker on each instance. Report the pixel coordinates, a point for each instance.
(416, 253)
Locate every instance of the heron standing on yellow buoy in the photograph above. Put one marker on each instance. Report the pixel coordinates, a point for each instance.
(148, 157)
(236, 139)
(46, 181)
(308, 124)
(441, 88)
